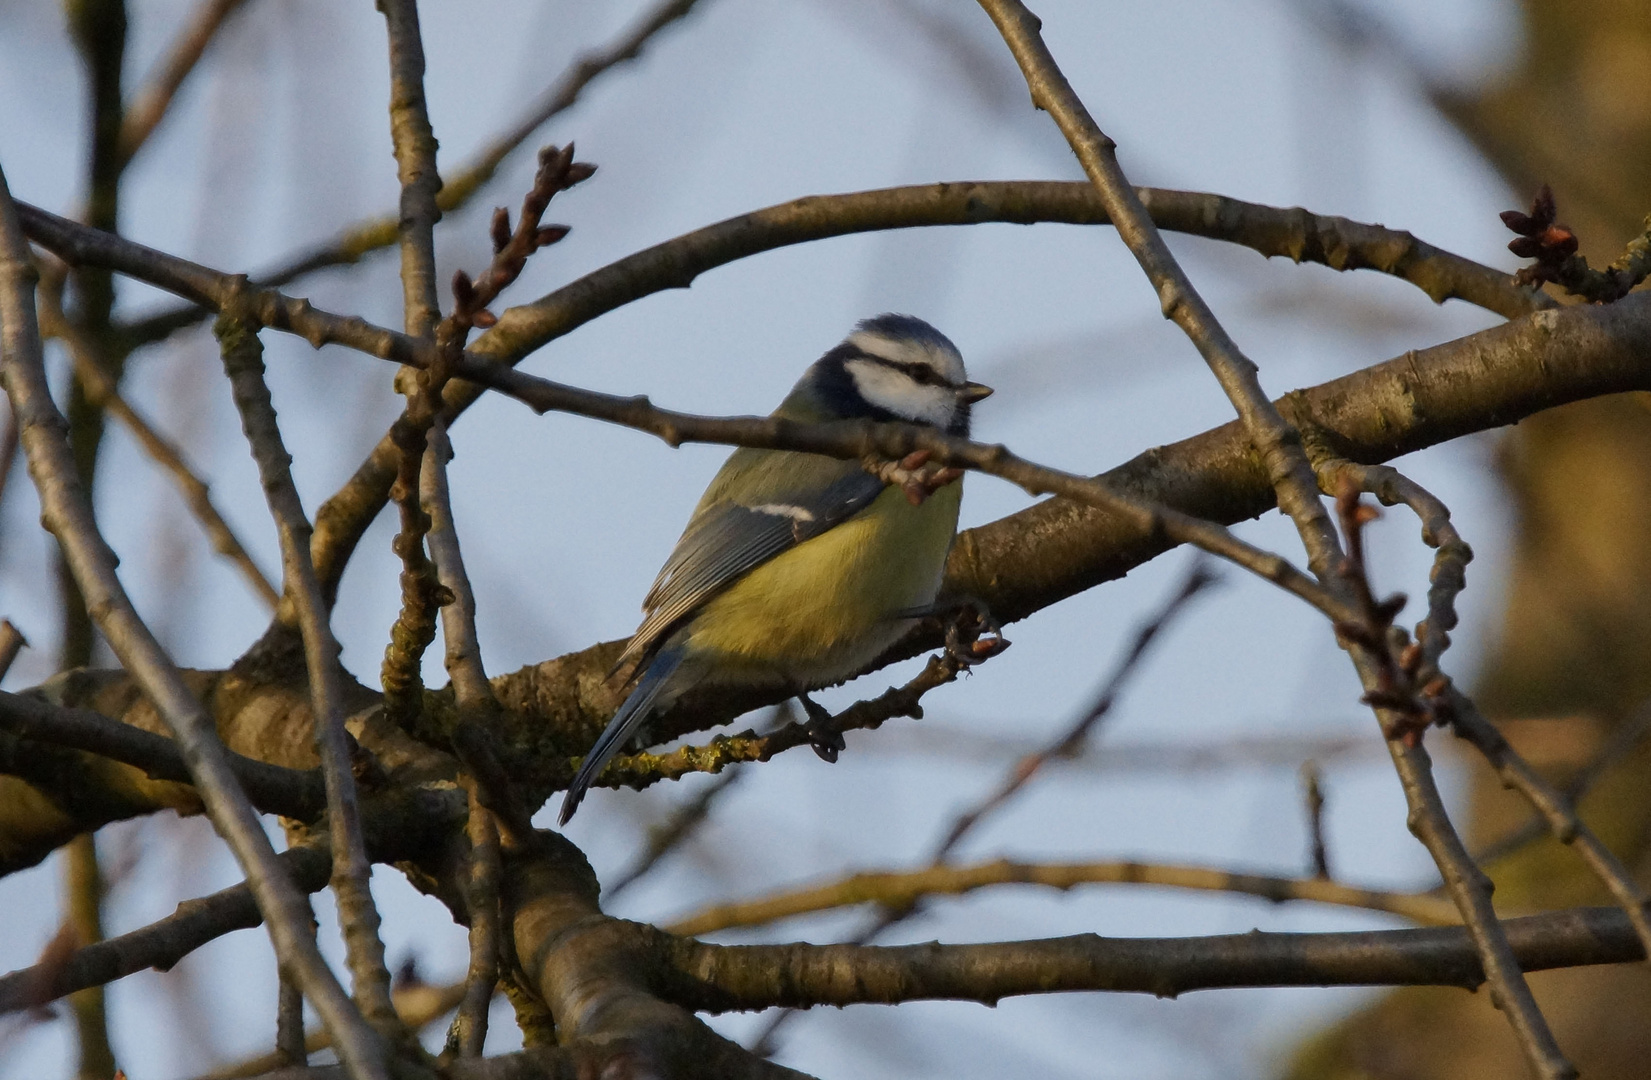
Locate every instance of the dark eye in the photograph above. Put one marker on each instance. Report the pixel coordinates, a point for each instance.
(923, 374)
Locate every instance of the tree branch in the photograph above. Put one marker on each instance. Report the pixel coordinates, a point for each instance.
(725, 978)
(898, 890)
(273, 789)
(149, 105)
(357, 915)
(368, 236)
(1279, 444)
(415, 149)
(68, 514)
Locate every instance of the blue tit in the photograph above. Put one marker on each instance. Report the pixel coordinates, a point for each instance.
(796, 571)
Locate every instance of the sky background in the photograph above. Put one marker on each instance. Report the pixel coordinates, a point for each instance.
(281, 140)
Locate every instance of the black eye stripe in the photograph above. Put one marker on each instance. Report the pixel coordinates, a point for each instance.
(922, 374)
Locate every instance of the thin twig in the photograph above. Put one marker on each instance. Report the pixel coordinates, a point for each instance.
(1312, 789)
(1563, 821)
(468, 1034)
(640, 770)
(149, 105)
(159, 945)
(900, 890)
(1405, 706)
(84, 888)
(365, 237)
(672, 833)
(67, 512)
(104, 392)
(8, 451)
(352, 870)
(290, 1050)
(1295, 483)
(1624, 739)
(1071, 742)
(415, 150)
(476, 707)
(418, 1006)
(1275, 439)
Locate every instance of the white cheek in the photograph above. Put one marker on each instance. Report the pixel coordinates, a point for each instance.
(898, 394)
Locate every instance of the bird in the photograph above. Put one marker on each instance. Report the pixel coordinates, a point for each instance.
(797, 570)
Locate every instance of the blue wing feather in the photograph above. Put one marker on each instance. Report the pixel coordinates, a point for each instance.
(631, 715)
(727, 539)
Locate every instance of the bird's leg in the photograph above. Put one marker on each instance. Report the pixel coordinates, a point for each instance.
(973, 634)
(913, 474)
(822, 729)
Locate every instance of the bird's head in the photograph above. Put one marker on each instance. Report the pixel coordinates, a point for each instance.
(897, 367)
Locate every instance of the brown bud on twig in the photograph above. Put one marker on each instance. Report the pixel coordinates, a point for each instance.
(464, 290)
(483, 319)
(500, 229)
(549, 234)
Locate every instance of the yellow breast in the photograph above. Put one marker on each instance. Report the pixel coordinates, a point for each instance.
(821, 611)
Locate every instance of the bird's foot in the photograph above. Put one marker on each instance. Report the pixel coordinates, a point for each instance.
(823, 733)
(974, 635)
(913, 474)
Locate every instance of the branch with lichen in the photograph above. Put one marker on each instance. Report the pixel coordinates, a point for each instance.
(422, 592)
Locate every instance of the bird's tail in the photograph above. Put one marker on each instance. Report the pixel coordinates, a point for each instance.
(631, 715)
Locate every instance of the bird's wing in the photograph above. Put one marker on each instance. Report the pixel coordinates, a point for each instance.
(727, 539)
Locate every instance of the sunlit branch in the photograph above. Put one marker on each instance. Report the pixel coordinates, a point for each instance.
(901, 889)
(358, 916)
(67, 513)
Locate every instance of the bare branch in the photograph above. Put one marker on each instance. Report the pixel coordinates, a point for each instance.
(724, 978)
(415, 148)
(672, 833)
(368, 236)
(104, 392)
(84, 889)
(1295, 483)
(1555, 808)
(276, 790)
(418, 1006)
(352, 871)
(290, 1049)
(149, 105)
(68, 514)
(160, 944)
(900, 890)
(1278, 443)
(468, 1034)
(1071, 741)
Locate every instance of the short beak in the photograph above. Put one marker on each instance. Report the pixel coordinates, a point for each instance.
(973, 392)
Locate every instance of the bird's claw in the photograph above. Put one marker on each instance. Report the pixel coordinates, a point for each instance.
(974, 635)
(913, 474)
(823, 734)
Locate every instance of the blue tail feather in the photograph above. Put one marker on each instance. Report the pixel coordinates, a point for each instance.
(636, 710)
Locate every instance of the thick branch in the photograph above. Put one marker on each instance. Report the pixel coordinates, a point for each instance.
(271, 788)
